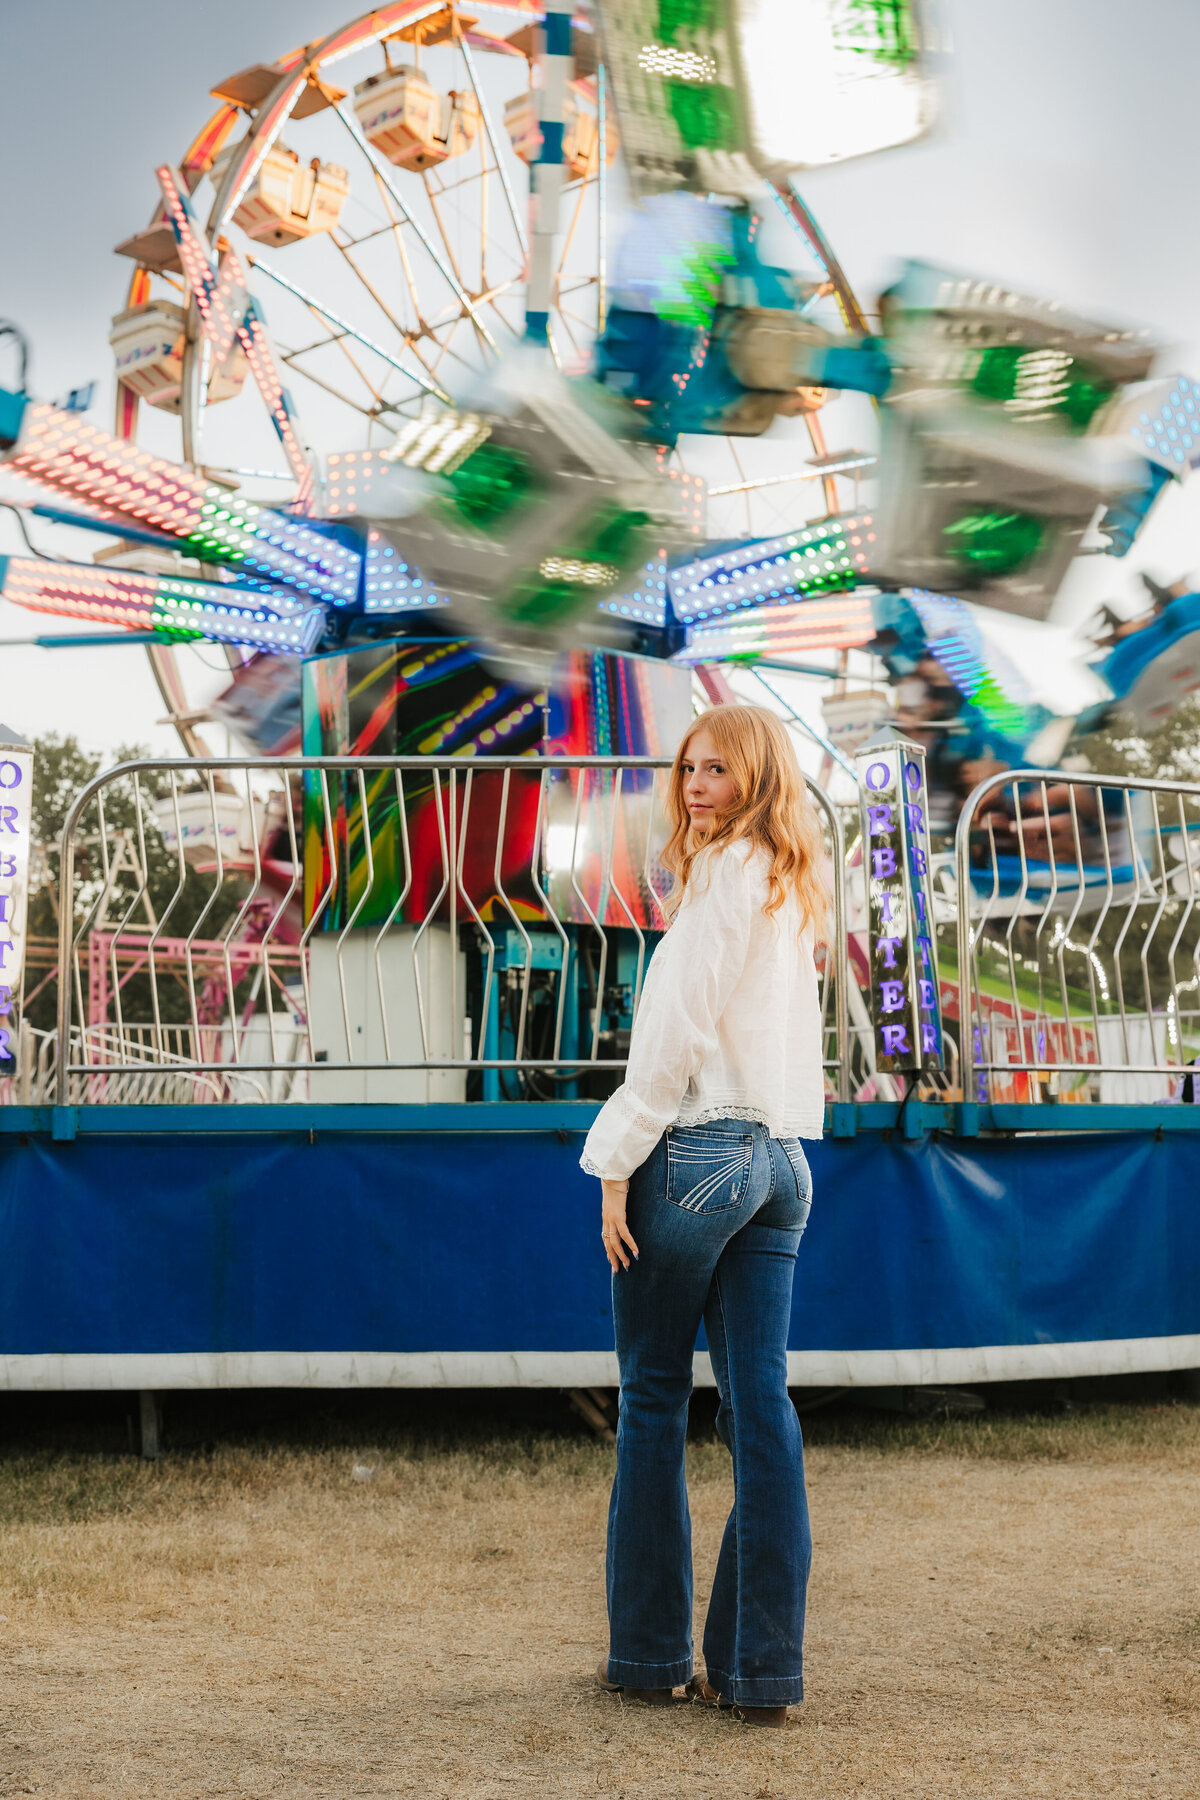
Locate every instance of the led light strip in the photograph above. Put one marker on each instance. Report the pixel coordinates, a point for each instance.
(841, 624)
(392, 585)
(248, 614)
(988, 681)
(646, 603)
(225, 315)
(1171, 433)
(834, 553)
(121, 482)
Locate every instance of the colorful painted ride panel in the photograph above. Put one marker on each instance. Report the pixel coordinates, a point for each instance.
(596, 846)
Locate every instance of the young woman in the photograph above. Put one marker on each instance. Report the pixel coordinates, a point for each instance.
(705, 1196)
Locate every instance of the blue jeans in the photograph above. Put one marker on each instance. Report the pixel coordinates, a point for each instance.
(717, 1212)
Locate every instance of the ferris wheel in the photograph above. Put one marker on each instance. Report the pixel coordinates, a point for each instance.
(374, 190)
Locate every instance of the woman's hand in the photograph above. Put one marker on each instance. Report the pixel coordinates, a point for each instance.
(613, 1228)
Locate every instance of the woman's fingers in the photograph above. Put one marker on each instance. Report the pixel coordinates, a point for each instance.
(613, 1228)
(617, 1253)
(616, 1236)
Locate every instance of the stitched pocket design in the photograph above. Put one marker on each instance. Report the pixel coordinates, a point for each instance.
(708, 1172)
(800, 1168)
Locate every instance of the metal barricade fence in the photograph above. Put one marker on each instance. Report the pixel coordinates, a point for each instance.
(1078, 936)
(370, 928)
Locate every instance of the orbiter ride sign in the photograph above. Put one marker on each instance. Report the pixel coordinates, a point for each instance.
(16, 833)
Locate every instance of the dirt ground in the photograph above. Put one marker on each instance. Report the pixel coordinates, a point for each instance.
(997, 1608)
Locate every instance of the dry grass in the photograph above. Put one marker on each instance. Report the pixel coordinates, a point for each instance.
(998, 1608)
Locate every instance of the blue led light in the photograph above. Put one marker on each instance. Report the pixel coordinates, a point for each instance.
(751, 570)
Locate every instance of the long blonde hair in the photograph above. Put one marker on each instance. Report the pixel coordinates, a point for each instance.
(771, 809)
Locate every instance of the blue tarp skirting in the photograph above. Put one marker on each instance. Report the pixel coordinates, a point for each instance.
(458, 1250)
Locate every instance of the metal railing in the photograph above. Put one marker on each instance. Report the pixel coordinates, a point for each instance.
(1078, 936)
(401, 928)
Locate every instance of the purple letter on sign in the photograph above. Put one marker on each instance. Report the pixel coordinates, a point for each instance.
(918, 860)
(891, 995)
(883, 863)
(888, 946)
(880, 821)
(895, 1040)
(929, 1039)
(925, 989)
(878, 776)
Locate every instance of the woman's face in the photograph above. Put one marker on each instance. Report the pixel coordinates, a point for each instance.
(708, 788)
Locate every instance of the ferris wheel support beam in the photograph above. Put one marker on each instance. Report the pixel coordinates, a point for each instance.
(384, 173)
(557, 66)
(601, 197)
(193, 387)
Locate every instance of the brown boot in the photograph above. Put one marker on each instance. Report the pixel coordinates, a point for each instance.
(761, 1715)
(699, 1691)
(647, 1696)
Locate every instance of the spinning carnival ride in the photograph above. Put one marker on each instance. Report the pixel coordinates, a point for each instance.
(368, 196)
(541, 398)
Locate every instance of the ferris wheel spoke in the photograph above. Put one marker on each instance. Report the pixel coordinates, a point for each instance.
(472, 303)
(343, 325)
(403, 332)
(339, 339)
(448, 248)
(289, 357)
(490, 295)
(397, 236)
(383, 174)
(485, 114)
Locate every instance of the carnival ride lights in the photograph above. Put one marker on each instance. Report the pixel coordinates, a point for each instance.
(986, 679)
(833, 553)
(228, 314)
(120, 483)
(1167, 426)
(647, 602)
(392, 585)
(844, 623)
(253, 613)
(707, 88)
(1002, 435)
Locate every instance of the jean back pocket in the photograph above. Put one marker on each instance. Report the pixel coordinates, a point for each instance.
(708, 1171)
(791, 1148)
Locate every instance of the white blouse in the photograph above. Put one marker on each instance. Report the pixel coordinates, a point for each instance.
(729, 1024)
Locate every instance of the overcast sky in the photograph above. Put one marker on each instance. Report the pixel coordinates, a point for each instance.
(1061, 165)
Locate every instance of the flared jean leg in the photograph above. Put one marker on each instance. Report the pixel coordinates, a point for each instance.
(649, 1563)
(754, 1633)
(717, 1221)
